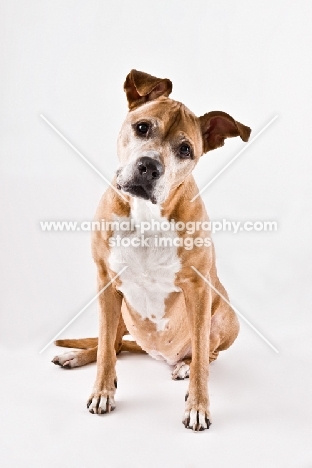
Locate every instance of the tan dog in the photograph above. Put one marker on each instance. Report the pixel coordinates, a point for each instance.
(159, 299)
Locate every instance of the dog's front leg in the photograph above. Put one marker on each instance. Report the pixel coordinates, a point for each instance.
(198, 303)
(102, 398)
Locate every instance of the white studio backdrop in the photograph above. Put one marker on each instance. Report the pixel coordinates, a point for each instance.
(68, 60)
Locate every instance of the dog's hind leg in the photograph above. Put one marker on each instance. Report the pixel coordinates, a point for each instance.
(81, 357)
(80, 343)
(224, 324)
(87, 349)
(130, 346)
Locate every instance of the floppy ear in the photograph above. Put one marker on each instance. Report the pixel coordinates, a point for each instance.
(141, 87)
(216, 126)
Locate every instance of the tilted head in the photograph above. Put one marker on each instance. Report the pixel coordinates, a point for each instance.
(161, 140)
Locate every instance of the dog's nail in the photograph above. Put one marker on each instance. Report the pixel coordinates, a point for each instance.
(57, 363)
(208, 423)
(186, 422)
(115, 382)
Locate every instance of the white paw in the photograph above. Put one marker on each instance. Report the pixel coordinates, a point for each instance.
(67, 360)
(101, 404)
(181, 371)
(196, 420)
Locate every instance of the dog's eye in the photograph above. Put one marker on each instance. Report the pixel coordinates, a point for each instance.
(142, 128)
(185, 151)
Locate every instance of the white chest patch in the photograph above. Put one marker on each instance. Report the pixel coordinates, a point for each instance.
(152, 263)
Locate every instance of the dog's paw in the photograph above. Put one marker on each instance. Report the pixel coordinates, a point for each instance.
(67, 360)
(181, 371)
(196, 420)
(101, 403)
(195, 416)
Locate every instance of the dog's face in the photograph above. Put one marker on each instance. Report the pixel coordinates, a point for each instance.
(158, 146)
(161, 140)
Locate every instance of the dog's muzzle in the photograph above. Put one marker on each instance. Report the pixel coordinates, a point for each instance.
(146, 173)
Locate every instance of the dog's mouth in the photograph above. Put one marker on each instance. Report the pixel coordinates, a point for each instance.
(139, 191)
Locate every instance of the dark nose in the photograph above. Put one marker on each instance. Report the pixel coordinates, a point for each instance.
(149, 169)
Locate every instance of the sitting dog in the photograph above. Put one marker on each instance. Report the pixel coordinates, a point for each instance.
(163, 295)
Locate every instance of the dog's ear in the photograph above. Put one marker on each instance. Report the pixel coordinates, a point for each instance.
(216, 126)
(141, 87)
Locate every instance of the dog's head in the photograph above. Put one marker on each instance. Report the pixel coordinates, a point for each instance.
(161, 140)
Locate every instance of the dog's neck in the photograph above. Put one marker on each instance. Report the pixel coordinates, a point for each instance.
(178, 205)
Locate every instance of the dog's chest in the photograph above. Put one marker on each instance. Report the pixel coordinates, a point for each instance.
(151, 259)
